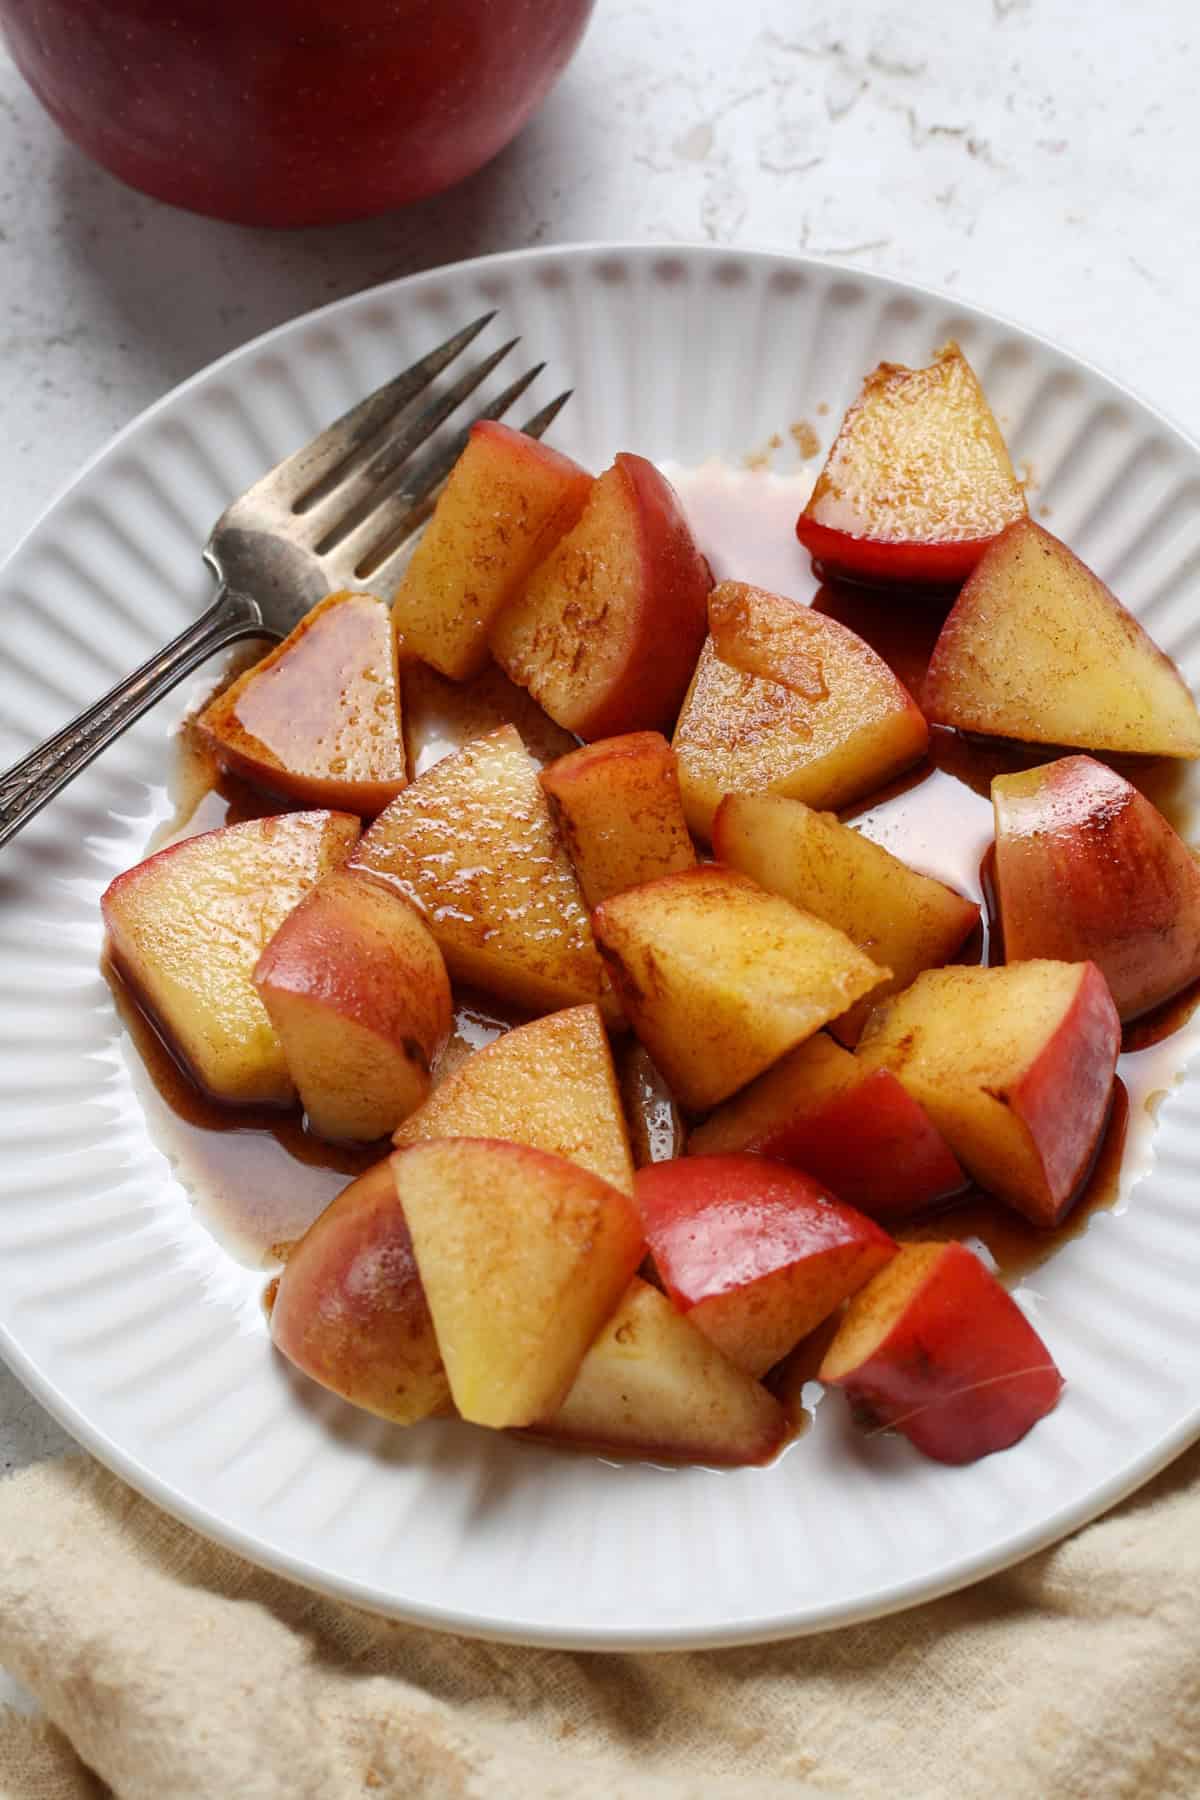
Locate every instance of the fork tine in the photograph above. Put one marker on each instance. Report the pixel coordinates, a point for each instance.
(294, 479)
(542, 421)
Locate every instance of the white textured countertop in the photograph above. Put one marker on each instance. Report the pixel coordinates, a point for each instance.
(1033, 156)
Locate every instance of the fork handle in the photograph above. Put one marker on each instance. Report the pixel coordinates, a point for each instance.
(30, 783)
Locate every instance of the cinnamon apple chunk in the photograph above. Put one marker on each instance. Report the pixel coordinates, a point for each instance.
(902, 919)
(825, 738)
(549, 1084)
(1037, 648)
(719, 979)
(1088, 870)
(358, 992)
(507, 502)
(653, 1385)
(606, 633)
(472, 845)
(857, 1130)
(918, 481)
(350, 1311)
(1014, 1066)
(754, 1254)
(187, 926)
(522, 1257)
(935, 1348)
(617, 806)
(318, 719)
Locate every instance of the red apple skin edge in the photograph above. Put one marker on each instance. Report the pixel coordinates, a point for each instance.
(961, 1373)
(1067, 1085)
(291, 112)
(873, 560)
(670, 634)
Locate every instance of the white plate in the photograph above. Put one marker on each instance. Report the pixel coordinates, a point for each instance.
(147, 1341)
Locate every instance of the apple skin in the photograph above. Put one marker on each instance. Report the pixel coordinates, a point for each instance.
(1088, 870)
(935, 1348)
(291, 112)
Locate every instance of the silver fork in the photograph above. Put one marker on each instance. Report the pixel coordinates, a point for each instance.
(338, 513)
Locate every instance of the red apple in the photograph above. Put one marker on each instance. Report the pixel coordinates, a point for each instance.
(935, 1348)
(1088, 870)
(291, 112)
(755, 1254)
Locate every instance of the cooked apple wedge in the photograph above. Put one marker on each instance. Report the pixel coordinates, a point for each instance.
(902, 919)
(471, 843)
(918, 481)
(508, 501)
(1037, 648)
(719, 979)
(857, 1130)
(1088, 870)
(607, 631)
(522, 1256)
(350, 1311)
(441, 716)
(754, 1254)
(617, 806)
(652, 1384)
(549, 1084)
(187, 926)
(1014, 1066)
(318, 719)
(935, 1348)
(739, 732)
(358, 992)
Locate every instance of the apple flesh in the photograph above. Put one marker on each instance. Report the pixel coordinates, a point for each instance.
(358, 992)
(754, 1254)
(935, 1348)
(1088, 870)
(187, 926)
(508, 501)
(549, 1084)
(350, 1311)
(857, 1130)
(719, 979)
(902, 919)
(522, 1256)
(918, 482)
(318, 719)
(472, 845)
(617, 807)
(653, 1385)
(1037, 648)
(1015, 1067)
(740, 731)
(608, 629)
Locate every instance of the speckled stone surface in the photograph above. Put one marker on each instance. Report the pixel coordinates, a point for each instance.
(1028, 155)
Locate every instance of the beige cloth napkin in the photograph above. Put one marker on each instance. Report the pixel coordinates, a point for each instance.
(169, 1669)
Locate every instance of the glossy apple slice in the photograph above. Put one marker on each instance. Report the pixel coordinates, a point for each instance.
(550, 1084)
(902, 919)
(935, 1348)
(507, 502)
(918, 482)
(857, 1130)
(719, 979)
(522, 1256)
(1014, 1066)
(1037, 648)
(350, 1311)
(617, 806)
(318, 719)
(607, 631)
(1088, 870)
(187, 926)
(358, 992)
(653, 1385)
(741, 732)
(754, 1254)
